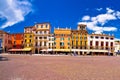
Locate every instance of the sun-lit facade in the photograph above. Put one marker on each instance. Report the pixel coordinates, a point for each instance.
(38, 39)
(79, 40)
(29, 38)
(41, 32)
(101, 44)
(17, 40)
(5, 41)
(62, 40)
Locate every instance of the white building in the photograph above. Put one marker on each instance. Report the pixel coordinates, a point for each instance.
(51, 43)
(117, 46)
(42, 32)
(101, 44)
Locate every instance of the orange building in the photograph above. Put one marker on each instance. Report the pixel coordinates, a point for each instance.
(17, 40)
(62, 40)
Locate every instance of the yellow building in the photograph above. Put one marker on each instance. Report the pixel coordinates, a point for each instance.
(79, 40)
(29, 38)
(62, 40)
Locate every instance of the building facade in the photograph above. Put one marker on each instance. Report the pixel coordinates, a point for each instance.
(42, 32)
(51, 43)
(80, 40)
(101, 44)
(29, 39)
(62, 40)
(17, 40)
(117, 47)
(5, 41)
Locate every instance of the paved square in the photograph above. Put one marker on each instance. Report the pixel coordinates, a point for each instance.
(15, 67)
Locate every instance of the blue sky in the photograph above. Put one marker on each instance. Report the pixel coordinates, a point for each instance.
(99, 15)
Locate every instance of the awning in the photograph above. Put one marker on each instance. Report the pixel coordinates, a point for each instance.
(15, 49)
(89, 50)
(26, 49)
(50, 50)
(85, 50)
(98, 50)
(63, 50)
(43, 50)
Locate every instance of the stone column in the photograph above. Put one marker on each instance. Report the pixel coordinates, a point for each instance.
(38, 51)
(78, 52)
(83, 53)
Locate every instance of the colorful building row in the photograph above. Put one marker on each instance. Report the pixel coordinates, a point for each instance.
(38, 39)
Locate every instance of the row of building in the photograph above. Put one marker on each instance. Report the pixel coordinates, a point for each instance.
(38, 39)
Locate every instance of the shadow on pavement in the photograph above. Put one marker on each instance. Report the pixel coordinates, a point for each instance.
(3, 58)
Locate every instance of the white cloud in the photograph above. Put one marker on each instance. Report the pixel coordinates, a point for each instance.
(85, 18)
(103, 18)
(96, 23)
(118, 14)
(109, 10)
(99, 9)
(14, 11)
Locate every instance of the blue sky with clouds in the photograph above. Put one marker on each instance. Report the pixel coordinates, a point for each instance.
(99, 15)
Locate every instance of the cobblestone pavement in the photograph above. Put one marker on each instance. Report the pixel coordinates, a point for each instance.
(25, 67)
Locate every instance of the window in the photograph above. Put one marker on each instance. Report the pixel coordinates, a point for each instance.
(107, 38)
(111, 38)
(36, 44)
(45, 32)
(30, 36)
(40, 37)
(62, 34)
(61, 39)
(97, 43)
(102, 43)
(40, 32)
(41, 26)
(30, 40)
(91, 43)
(61, 43)
(69, 39)
(85, 37)
(46, 25)
(80, 37)
(80, 42)
(36, 32)
(40, 43)
(45, 37)
(37, 26)
(77, 37)
(85, 43)
(106, 43)
(68, 43)
(44, 43)
(14, 43)
(102, 37)
(49, 44)
(111, 44)
(76, 43)
(54, 43)
(96, 37)
(36, 37)
(25, 40)
(91, 36)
